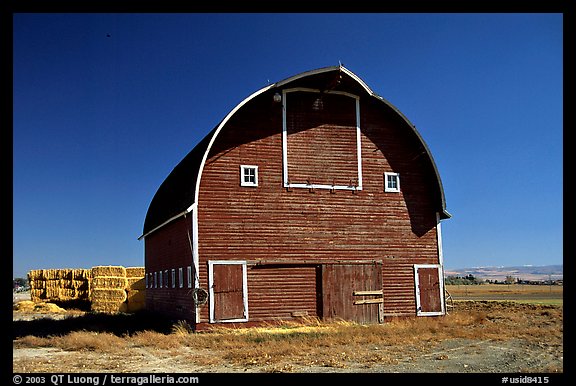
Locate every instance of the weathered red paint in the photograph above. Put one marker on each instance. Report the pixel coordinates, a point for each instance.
(291, 238)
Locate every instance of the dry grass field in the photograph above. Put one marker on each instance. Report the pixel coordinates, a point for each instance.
(475, 337)
(522, 293)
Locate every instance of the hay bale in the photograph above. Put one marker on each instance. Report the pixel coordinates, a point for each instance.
(134, 296)
(48, 308)
(109, 307)
(135, 271)
(35, 275)
(136, 283)
(42, 307)
(24, 306)
(109, 282)
(81, 274)
(108, 270)
(107, 295)
(37, 295)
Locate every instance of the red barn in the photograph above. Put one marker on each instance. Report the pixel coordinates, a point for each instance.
(313, 197)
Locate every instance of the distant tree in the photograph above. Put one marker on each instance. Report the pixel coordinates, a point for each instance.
(459, 280)
(19, 282)
(510, 280)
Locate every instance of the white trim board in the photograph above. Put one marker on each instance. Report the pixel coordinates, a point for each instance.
(211, 264)
(286, 178)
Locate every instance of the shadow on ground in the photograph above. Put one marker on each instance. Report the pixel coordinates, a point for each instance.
(117, 324)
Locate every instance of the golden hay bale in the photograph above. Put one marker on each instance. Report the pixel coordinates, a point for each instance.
(108, 270)
(52, 284)
(109, 282)
(136, 283)
(24, 306)
(37, 294)
(81, 274)
(109, 307)
(80, 285)
(52, 293)
(37, 284)
(107, 295)
(48, 307)
(135, 271)
(134, 296)
(30, 306)
(35, 274)
(48, 274)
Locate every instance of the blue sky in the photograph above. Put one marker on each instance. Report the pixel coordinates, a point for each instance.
(105, 105)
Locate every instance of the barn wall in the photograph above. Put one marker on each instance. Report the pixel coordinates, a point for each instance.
(268, 289)
(167, 249)
(270, 222)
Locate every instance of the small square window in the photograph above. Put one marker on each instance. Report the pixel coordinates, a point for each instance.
(189, 276)
(173, 278)
(248, 175)
(391, 182)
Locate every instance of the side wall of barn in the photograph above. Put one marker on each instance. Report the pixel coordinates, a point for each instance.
(169, 270)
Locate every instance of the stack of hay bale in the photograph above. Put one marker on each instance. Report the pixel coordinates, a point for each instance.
(59, 284)
(108, 289)
(135, 289)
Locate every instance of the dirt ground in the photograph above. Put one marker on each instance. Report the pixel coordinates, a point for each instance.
(452, 355)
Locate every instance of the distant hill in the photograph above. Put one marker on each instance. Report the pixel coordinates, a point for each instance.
(524, 272)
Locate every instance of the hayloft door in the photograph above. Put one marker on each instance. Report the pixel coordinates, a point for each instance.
(429, 290)
(228, 291)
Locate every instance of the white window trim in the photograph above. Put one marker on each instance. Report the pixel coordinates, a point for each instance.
(389, 189)
(243, 169)
(160, 281)
(189, 276)
(441, 281)
(180, 277)
(173, 278)
(244, 289)
(155, 279)
(287, 184)
(166, 278)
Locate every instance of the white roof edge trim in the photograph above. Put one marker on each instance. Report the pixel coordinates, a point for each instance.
(315, 72)
(217, 131)
(326, 69)
(426, 148)
(279, 84)
(167, 222)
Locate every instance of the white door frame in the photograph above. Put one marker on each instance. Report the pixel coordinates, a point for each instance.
(419, 311)
(211, 264)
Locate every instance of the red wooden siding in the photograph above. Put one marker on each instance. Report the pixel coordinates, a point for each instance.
(321, 139)
(270, 222)
(166, 250)
(269, 289)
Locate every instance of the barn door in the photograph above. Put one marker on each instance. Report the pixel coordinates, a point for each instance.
(429, 290)
(352, 292)
(227, 281)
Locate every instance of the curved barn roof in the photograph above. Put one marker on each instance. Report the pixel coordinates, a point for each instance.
(179, 191)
